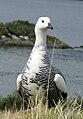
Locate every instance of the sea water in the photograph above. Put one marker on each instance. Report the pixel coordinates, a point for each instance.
(13, 60)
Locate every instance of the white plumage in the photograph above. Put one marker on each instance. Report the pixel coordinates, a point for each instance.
(19, 80)
(58, 79)
(34, 76)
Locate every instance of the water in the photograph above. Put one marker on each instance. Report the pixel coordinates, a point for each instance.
(66, 16)
(69, 61)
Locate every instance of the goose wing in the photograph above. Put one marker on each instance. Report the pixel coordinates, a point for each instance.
(61, 84)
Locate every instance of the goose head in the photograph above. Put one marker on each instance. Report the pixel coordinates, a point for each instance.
(43, 23)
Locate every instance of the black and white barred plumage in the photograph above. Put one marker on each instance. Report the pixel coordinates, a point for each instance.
(38, 76)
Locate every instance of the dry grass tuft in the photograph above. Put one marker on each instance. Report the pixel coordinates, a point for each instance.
(69, 110)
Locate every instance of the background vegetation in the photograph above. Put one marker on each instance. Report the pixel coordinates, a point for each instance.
(24, 28)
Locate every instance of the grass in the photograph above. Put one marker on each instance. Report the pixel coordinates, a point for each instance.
(14, 107)
(42, 112)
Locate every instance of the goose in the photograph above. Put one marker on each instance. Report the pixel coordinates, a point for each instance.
(38, 77)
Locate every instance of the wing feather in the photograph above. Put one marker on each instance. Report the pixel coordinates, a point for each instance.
(60, 83)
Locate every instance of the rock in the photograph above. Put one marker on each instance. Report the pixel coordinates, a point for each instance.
(13, 42)
(58, 43)
(81, 46)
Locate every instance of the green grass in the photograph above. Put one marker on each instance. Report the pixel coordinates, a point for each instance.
(14, 107)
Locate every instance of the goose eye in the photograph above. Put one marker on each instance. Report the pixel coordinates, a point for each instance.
(42, 21)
